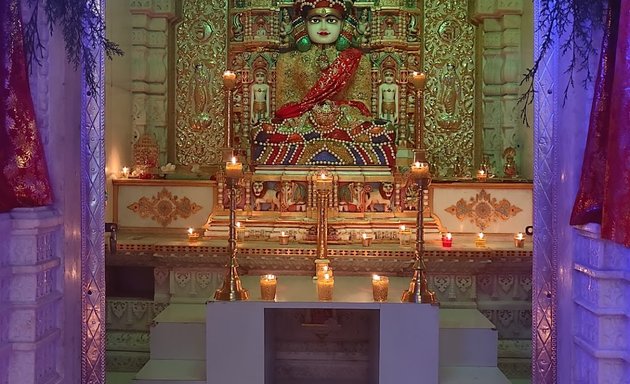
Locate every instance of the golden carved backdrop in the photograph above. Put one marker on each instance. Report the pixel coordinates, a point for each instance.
(449, 129)
(253, 33)
(201, 51)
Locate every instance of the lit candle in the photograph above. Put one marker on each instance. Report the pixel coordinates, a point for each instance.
(268, 285)
(323, 182)
(125, 172)
(284, 238)
(325, 287)
(380, 287)
(405, 236)
(419, 80)
(234, 169)
(229, 79)
(482, 175)
(366, 240)
(447, 240)
(321, 267)
(519, 240)
(420, 170)
(192, 235)
(240, 232)
(480, 241)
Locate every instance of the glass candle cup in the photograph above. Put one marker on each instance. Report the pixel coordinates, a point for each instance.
(380, 287)
(268, 284)
(325, 287)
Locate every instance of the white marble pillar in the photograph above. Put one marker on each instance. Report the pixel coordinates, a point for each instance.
(34, 300)
(150, 21)
(501, 24)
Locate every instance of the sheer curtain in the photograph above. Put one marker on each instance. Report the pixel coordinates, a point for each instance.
(24, 178)
(604, 192)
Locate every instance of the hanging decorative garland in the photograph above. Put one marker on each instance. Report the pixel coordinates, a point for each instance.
(83, 30)
(572, 23)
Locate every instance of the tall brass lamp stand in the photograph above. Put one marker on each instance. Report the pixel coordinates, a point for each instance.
(418, 291)
(323, 188)
(232, 290)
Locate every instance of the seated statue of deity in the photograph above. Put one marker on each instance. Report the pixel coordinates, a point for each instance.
(323, 89)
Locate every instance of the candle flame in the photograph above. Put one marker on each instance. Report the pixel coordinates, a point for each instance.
(233, 160)
(519, 236)
(190, 231)
(376, 277)
(326, 276)
(269, 277)
(449, 236)
(365, 235)
(283, 234)
(238, 224)
(481, 172)
(481, 235)
(403, 227)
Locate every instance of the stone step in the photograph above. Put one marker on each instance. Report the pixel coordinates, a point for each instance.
(467, 339)
(179, 332)
(158, 371)
(471, 375)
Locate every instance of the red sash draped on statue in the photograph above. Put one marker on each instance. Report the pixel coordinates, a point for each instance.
(23, 175)
(333, 80)
(604, 192)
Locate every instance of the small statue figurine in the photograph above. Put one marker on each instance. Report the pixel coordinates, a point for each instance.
(509, 168)
(388, 97)
(286, 27)
(259, 97)
(364, 28)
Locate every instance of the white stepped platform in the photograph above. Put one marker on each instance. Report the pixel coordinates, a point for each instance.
(467, 339)
(472, 375)
(172, 372)
(467, 344)
(179, 333)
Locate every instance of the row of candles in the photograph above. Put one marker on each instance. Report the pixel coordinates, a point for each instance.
(406, 237)
(480, 240)
(325, 286)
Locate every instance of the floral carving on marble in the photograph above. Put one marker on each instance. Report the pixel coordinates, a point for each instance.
(165, 207)
(483, 209)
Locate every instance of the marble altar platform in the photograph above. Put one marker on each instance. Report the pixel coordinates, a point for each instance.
(191, 343)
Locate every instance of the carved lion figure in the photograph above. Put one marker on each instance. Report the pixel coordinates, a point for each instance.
(264, 195)
(383, 197)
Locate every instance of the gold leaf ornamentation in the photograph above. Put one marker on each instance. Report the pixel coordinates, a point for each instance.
(483, 210)
(164, 208)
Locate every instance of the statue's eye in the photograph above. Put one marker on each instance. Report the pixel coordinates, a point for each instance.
(315, 20)
(332, 20)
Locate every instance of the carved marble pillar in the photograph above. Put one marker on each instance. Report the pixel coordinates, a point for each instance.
(601, 286)
(502, 52)
(149, 68)
(31, 286)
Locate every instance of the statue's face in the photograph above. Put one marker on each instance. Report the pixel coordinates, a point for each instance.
(388, 77)
(259, 77)
(323, 29)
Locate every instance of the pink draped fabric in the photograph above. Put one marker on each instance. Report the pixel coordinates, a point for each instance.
(23, 175)
(604, 192)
